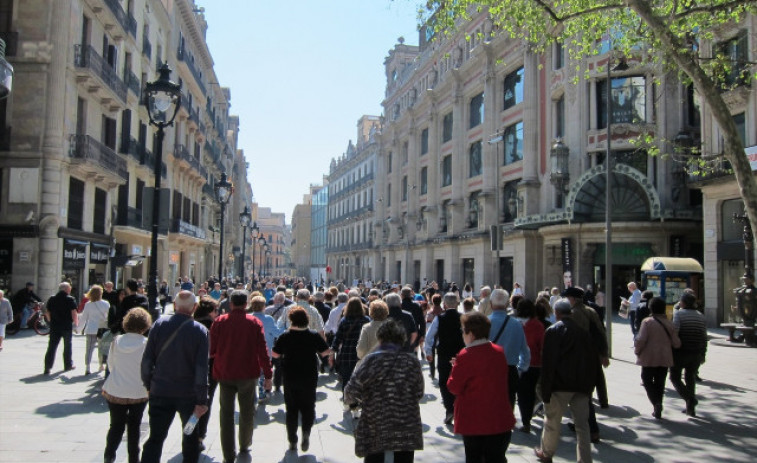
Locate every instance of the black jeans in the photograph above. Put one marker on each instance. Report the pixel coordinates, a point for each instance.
(202, 425)
(161, 413)
(444, 367)
(487, 449)
(632, 322)
(278, 372)
(513, 379)
(654, 383)
(406, 456)
(688, 364)
(124, 417)
(299, 401)
(527, 394)
(56, 334)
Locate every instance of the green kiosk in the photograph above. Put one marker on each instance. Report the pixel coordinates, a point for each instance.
(667, 277)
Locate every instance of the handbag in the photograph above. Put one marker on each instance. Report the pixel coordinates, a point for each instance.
(623, 311)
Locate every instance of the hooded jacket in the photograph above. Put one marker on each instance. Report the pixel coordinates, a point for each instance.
(124, 360)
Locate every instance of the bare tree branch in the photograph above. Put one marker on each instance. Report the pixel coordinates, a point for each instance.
(715, 8)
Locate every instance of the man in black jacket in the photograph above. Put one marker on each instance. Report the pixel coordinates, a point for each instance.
(132, 299)
(446, 334)
(61, 309)
(568, 376)
(415, 310)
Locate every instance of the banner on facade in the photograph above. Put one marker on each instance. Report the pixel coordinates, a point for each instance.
(74, 254)
(566, 250)
(98, 253)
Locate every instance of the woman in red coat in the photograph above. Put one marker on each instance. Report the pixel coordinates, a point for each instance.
(483, 415)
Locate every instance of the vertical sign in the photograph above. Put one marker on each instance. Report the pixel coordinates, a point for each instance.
(567, 261)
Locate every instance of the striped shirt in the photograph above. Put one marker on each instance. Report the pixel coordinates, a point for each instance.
(691, 329)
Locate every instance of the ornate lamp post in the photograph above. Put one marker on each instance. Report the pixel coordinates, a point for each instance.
(223, 190)
(559, 155)
(261, 243)
(255, 232)
(162, 98)
(264, 253)
(267, 260)
(244, 220)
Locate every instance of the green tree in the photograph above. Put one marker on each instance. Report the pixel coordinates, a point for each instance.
(665, 32)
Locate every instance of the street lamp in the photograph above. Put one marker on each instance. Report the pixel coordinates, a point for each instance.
(223, 190)
(162, 98)
(255, 232)
(265, 254)
(560, 156)
(267, 259)
(261, 243)
(622, 66)
(244, 220)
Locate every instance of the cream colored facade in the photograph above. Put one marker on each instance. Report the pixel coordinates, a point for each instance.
(724, 252)
(273, 229)
(300, 243)
(77, 169)
(467, 144)
(351, 197)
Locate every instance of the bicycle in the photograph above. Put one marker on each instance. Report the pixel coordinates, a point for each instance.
(37, 321)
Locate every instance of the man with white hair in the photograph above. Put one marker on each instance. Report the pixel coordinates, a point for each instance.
(175, 372)
(507, 332)
(485, 304)
(405, 318)
(315, 323)
(63, 316)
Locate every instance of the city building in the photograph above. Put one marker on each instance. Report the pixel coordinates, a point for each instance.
(77, 168)
(319, 232)
(349, 252)
(724, 248)
(484, 138)
(301, 228)
(270, 253)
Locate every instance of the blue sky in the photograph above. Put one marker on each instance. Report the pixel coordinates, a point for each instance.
(301, 73)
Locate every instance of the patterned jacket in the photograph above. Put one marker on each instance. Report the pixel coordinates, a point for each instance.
(388, 383)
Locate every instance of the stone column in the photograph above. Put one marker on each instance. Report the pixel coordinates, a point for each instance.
(53, 153)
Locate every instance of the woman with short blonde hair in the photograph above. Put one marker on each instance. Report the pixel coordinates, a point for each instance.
(94, 322)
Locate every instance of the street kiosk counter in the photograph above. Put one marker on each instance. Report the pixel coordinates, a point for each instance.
(667, 277)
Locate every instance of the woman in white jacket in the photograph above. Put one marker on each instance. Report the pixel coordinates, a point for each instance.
(94, 321)
(124, 391)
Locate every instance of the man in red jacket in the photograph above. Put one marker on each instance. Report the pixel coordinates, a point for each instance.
(237, 344)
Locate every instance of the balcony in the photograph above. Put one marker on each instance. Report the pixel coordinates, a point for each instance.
(133, 83)
(11, 42)
(700, 174)
(126, 21)
(132, 217)
(207, 190)
(181, 153)
(185, 58)
(147, 159)
(95, 158)
(186, 228)
(146, 47)
(98, 76)
(352, 186)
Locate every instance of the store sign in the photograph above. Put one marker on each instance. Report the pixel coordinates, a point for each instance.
(98, 254)
(74, 254)
(186, 228)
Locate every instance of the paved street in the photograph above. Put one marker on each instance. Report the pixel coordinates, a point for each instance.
(63, 418)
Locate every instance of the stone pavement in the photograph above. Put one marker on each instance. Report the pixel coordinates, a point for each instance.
(63, 418)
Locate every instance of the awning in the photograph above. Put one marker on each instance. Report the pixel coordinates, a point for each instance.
(74, 254)
(98, 253)
(675, 264)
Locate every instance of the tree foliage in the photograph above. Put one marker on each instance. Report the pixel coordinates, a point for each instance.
(676, 35)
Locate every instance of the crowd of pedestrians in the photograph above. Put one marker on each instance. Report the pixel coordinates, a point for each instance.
(544, 354)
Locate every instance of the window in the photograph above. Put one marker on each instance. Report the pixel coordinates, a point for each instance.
(405, 148)
(734, 52)
(424, 180)
(389, 195)
(389, 163)
(98, 222)
(476, 110)
(109, 132)
(513, 89)
(628, 101)
(447, 170)
(474, 159)
(560, 117)
(75, 203)
(424, 141)
(447, 127)
(559, 56)
(404, 188)
(513, 143)
(474, 208)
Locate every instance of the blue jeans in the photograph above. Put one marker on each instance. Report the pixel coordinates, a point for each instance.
(161, 413)
(26, 312)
